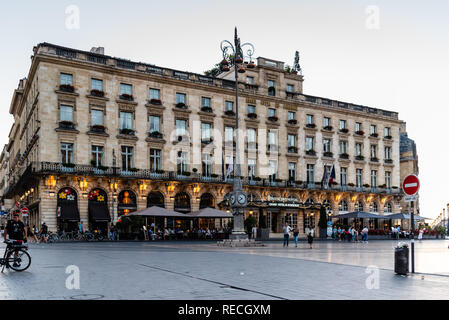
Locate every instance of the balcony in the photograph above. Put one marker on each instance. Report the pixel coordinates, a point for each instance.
(374, 135)
(207, 141)
(230, 113)
(97, 93)
(126, 97)
(328, 128)
(252, 115)
(181, 105)
(156, 102)
(67, 88)
(360, 133)
(292, 149)
(293, 121)
(374, 159)
(360, 158)
(273, 119)
(328, 154)
(98, 128)
(127, 132)
(206, 109)
(311, 125)
(311, 152)
(344, 130)
(344, 156)
(155, 135)
(66, 125)
(388, 161)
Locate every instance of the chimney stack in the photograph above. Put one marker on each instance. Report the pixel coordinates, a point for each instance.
(99, 50)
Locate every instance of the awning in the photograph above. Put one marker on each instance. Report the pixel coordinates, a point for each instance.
(210, 213)
(158, 212)
(68, 212)
(359, 215)
(99, 212)
(403, 216)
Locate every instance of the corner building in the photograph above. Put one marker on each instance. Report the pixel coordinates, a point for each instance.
(96, 137)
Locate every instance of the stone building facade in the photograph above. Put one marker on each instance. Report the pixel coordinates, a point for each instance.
(90, 126)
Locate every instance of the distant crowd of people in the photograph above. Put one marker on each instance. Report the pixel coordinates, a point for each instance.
(152, 232)
(350, 234)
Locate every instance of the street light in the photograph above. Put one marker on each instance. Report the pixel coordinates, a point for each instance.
(238, 199)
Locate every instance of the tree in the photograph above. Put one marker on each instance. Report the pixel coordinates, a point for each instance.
(250, 222)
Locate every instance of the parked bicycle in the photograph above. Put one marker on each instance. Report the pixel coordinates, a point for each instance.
(16, 256)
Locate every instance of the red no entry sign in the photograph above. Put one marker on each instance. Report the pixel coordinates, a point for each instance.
(24, 211)
(410, 185)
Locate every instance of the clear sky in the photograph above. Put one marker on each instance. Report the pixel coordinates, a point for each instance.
(387, 54)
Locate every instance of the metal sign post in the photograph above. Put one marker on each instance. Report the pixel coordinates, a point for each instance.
(410, 186)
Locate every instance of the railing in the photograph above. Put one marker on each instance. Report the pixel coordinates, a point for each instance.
(46, 168)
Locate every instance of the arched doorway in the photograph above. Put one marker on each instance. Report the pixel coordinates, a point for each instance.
(67, 211)
(207, 201)
(98, 210)
(155, 198)
(126, 202)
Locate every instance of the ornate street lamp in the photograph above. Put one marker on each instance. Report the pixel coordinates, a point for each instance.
(233, 53)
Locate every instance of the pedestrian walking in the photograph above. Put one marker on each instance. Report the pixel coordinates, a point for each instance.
(81, 227)
(254, 232)
(334, 233)
(365, 234)
(287, 229)
(420, 234)
(296, 236)
(44, 233)
(310, 239)
(31, 233)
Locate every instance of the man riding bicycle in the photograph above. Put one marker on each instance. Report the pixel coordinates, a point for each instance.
(16, 231)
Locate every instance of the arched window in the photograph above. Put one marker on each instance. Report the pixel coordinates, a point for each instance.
(207, 201)
(374, 207)
(388, 208)
(155, 198)
(309, 202)
(343, 206)
(182, 202)
(359, 206)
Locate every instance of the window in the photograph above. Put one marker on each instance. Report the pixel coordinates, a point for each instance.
(155, 94)
(205, 131)
(155, 124)
(291, 219)
(126, 120)
(251, 138)
(292, 171)
(358, 126)
(272, 164)
(358, 178)
(97, 155)
(66, 79)
(97, 117)
(229, 160)
(387, 153)
(205, 102)
(271, 112)
(207, 165)
(96, 84)
(372, 129)
(343, 206)
(374, 207)
(66, 113)
(373, 151)
(326, 122)
(252, 168)
(326, 145)
(229, 134)
(271, 90)
(126, 89)
(127, 158)
(66, 153)
(388, 208)
(309, 119)
(182, 162)
(229, 106)
(155, 159)
(181, 127)
(290, 88)
(387, 132)
(291, 115)
(309, 143)
(250, 80)
(343, 147)
(291, 139)
(358, 149)
(272, 139)
(388, 179)
(342, 124)
(373, 178)
(343, 177)
(180, 98)
(251, 109)
(310, 174)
